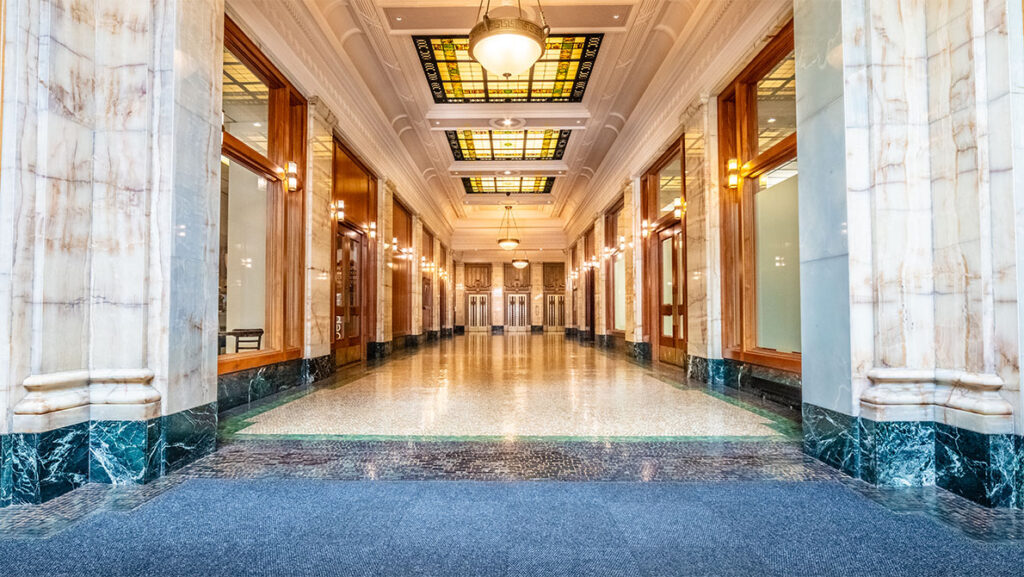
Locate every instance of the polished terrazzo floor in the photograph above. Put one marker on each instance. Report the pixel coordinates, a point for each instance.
(515, 386)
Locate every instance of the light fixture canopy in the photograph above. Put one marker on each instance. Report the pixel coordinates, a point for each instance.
(507, 46)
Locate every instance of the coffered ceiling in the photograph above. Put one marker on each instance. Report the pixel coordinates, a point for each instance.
(539, 137)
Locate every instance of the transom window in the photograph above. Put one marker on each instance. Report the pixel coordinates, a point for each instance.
(508, 144)
(560, 75)
(508, 184)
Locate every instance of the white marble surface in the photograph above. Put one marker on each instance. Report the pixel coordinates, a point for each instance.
(319, 193)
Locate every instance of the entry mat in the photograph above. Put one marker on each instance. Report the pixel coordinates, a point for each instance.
(279, 527)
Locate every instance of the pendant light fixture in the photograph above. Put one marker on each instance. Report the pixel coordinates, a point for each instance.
(519, 262)
(507, 46)
(506, 240)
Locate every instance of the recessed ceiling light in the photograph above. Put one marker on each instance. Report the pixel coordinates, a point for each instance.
(399, 18)
(508, 172)
(579, 122)
(770, 120)
(437, 122)
(616, 16)
(257, 124)
(507, 122)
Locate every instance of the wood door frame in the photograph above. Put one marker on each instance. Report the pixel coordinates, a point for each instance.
(738, 139)
(650, 246)
(611, 241)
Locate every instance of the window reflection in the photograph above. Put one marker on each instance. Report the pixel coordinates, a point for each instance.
(776, 104)
(246, 104)
(670, 185)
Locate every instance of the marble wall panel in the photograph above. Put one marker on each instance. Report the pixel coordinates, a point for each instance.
(600, 277)
(417, 276)
(319, 190)
(460, 294)
(537, 294)
(497, 294)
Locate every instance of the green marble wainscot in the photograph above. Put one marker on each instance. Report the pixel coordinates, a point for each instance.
(897, 453)
(46, 465)
(125, 452)
(983, 468)
(189, 435)
(831, 437)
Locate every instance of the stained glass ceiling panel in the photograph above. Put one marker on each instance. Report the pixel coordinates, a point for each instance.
(544, 144)
(560, 75)
(508, 184)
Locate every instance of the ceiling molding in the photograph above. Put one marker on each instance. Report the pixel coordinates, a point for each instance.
(711, 50)
(290, 35)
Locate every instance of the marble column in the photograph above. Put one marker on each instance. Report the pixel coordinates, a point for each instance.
(110, 167)
(497, 298)
(319, 181)
(416, 271)
(537, 297)
(908, 248)
(382, 344)
(460, 297)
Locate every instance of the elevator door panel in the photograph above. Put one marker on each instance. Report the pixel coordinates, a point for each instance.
(478, 313)
(554, 312)
(517, 313)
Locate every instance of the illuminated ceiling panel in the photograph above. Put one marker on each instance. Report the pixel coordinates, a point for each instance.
(546, 144)
(508, 184)
(560, 75)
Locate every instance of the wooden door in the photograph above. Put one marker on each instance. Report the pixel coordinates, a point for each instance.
(350, 249)
(671, 271)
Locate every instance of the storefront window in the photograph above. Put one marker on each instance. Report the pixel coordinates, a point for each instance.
(776, 242)
(760, 229)
(243, 259)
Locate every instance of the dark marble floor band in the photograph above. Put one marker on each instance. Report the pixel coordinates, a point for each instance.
(460, 329)
(498, 329)
(537, 329)
(987, 469)
(37, 467)
(447, 333)
(571, 332)
(432, 336)
(639, 351)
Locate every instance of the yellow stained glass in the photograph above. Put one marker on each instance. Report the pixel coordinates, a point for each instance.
(560, 75)
(543, 144)
(508, 184)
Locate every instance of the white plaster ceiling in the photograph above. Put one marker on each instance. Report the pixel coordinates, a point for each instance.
(377, 36)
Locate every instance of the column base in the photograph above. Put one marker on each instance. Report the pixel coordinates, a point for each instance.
(376, 351)
(985, 468)
(37, 467)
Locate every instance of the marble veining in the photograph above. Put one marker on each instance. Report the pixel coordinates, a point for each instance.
(189, 435)
(125, 452)
(234, 389)
(44, 465)
(980, 467)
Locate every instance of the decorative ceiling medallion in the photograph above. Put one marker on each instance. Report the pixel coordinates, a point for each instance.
(508, 184)
(561, 74)
(544, 144)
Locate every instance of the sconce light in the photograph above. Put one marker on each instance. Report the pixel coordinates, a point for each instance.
(645, 229)
(373, 230)
(339, 210)
(733, 167)
(291, 173)
(680, 207)
(622, 243)
(394, 243)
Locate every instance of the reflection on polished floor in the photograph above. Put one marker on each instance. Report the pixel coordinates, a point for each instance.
(514, 386)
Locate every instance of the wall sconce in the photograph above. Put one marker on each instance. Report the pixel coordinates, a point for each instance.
(373, 230)
(645, 229)
(339, 210)
(394, 244)
(680, 207)
(291, 173)
(733, 167)
(622, 244)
